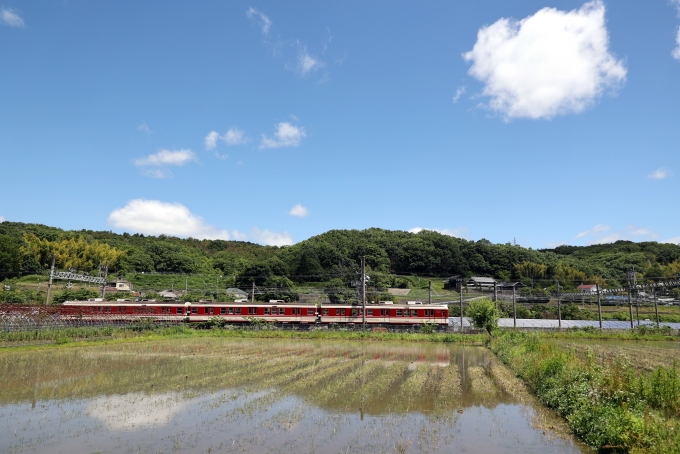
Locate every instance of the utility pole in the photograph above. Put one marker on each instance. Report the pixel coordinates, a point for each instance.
(106, 275)
(656, 308)
(460, 287)
(429, 299)
(630, 299)
(186, 285)
(514, 308)
(495, 291)
(559, 306)
(49, 284)
(363, 292)
(599, 305)
(253, 294)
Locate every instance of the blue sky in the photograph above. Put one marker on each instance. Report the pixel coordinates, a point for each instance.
(544, 122)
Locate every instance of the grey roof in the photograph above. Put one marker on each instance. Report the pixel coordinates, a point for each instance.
(167, 294)
(482, 280)
(238, 291)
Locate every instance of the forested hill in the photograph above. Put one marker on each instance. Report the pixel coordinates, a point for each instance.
(27, 248)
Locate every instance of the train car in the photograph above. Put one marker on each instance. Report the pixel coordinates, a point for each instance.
(376, 314)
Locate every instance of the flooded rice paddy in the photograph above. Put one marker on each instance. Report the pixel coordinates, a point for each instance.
(269, 396)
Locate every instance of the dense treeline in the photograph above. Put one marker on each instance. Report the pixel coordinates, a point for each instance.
(333, 258)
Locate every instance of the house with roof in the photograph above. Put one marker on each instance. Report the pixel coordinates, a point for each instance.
(454, 282)
(587, 288)
(119, 285)
(481, 283)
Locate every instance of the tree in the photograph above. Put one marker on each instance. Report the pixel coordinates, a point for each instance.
(484, 314)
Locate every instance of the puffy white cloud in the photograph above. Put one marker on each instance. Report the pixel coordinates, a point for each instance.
(306, 63)
(674, 240)
(153, 217)
(660, 174)
(601, 234)
(234, 136)
(2, 219)
(270, 238)
(11, 18)
(286, 135)
(460, 91)
(554, 62)
(260, 19)
(458, 233)
(299, 211)
(211, 140)
(167, 158)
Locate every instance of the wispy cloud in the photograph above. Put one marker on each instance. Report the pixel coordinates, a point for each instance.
(660, 174)
(599, 228)
(676, 51)
(525, 77)
(286, 135)
(603, 234)
(154, 217)
(299, 211)
(10, 17)
(674, 240)
(144, 128)
(260, 19)
(270, 238)
(458, 233)
(460, 91)
(307, 63)
(167, 158)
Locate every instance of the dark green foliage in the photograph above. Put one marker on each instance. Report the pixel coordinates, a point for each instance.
(75, 295)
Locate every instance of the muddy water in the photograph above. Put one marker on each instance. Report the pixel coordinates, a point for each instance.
(262, 396)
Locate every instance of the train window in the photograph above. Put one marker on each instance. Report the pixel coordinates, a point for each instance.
(238, 310)
(355, 312)
(325, 312)
(223, 310)
(266, 311)
(231, 310)
(398, 312)
(414, 313)
(212, 310)
(310, 311)
(369, 311)
(282, 310)
(194, 310)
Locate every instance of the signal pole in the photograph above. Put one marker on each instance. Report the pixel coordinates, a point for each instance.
(630, 298)
(460, 293)
(599, 305)
(429, 298)
(559, 306)
(106, 275)
(363, 292)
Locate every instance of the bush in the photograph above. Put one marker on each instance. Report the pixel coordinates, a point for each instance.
(484, 314)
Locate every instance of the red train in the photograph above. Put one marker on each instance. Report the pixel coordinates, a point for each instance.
(376, 314)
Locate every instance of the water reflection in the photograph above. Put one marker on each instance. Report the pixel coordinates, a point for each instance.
(264, 396)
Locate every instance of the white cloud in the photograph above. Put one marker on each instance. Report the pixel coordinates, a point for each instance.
(211, 140)
(458, 233)
(234, 137)
(660, 174)
(2, 219)
(286, 135)
(307, 63)
(11, 18)
(551, 63)
(260, 19)
(460, 91)
(601, 234)
(158, 173)
(144, 127)
(299, 211)
(153, 217)
(167, 158)
(270, 238)
(674, 240)
(599, 228)
(676, 51)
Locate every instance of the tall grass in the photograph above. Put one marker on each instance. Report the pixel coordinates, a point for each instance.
(609, 406)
